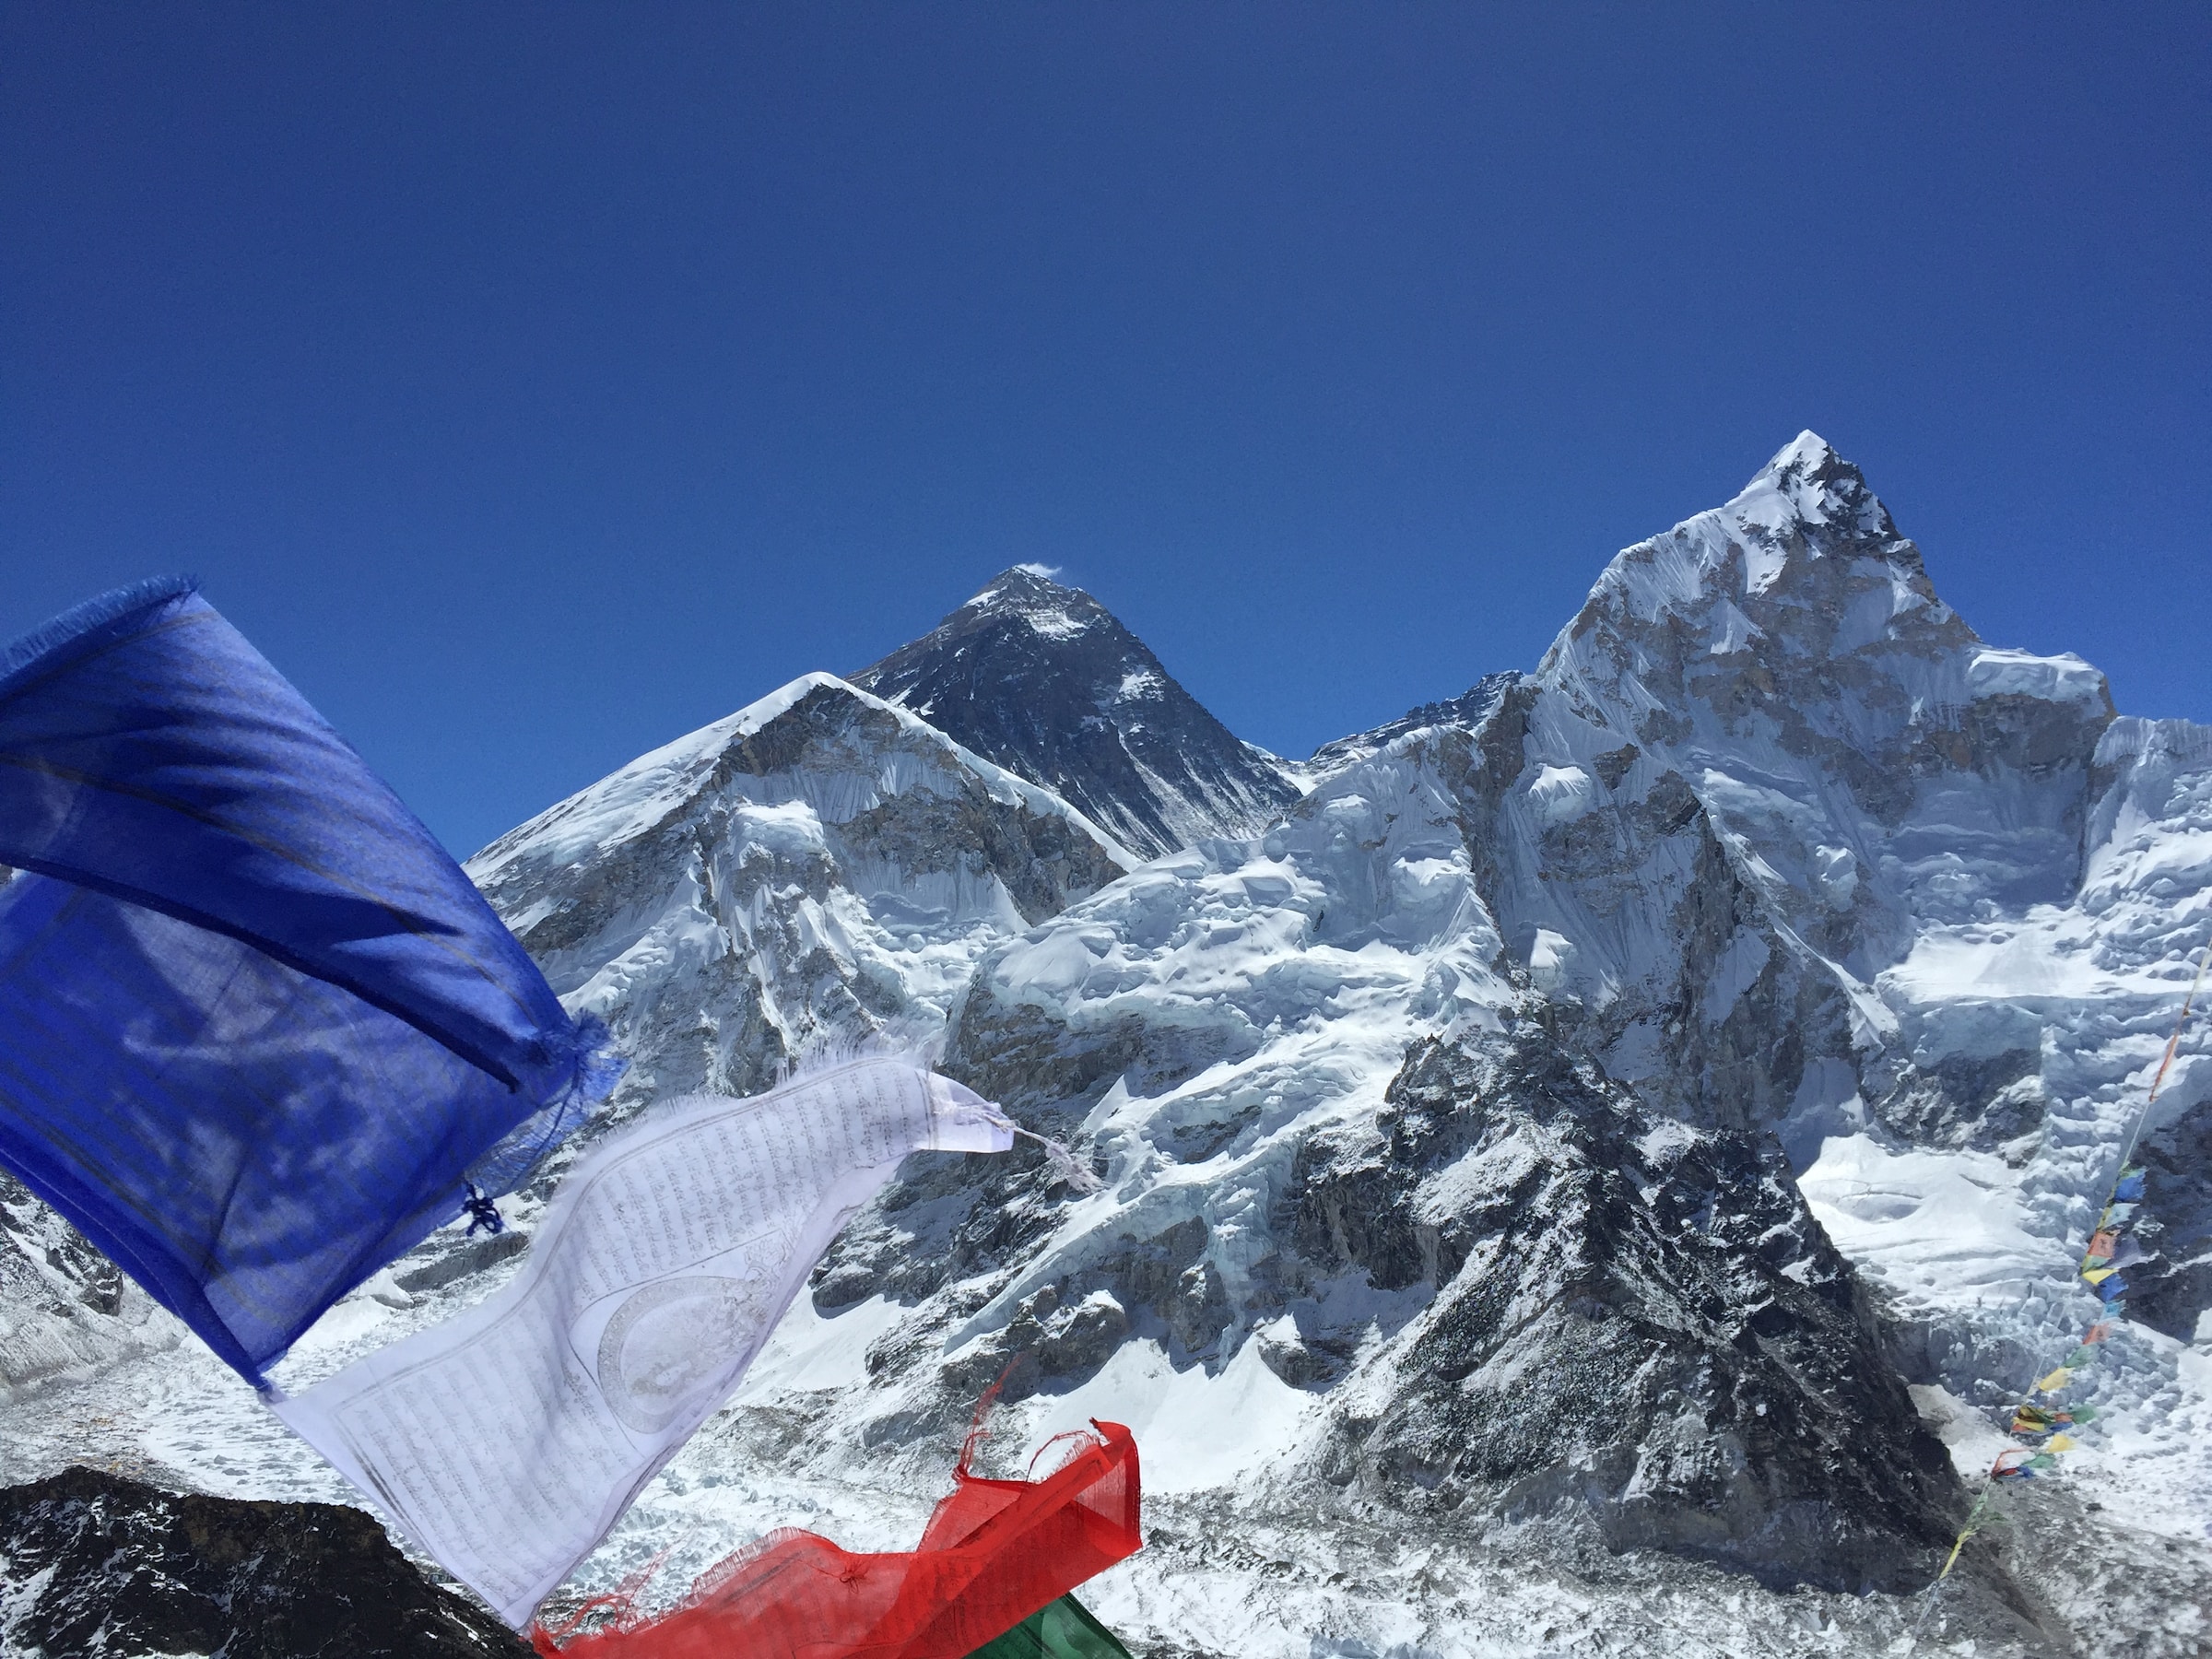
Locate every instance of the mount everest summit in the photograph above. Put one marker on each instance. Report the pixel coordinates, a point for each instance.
(1046, 681)
(1584, 1167)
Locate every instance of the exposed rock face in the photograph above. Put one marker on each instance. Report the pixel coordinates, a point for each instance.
(1508, 1293)
(1632, 1320)
(98, 1565)
(1043, 680)
(820, 866)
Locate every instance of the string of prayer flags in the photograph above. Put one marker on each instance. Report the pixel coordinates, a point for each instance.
(2099, 1258)
(994, 1553)
(2108, 1250)
(510, 1439)
(259, 1035)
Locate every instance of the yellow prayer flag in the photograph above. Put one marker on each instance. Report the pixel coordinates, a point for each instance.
(2054, 1382)
(2062, 1442)
(2096, 1275)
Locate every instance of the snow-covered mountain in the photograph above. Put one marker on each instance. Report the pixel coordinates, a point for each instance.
(1044, 680)
(1567, 1180)
(820, 869)
(1765, 834)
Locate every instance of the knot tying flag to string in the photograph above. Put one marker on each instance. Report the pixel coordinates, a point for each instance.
(1063, 1162)
(482, 1213)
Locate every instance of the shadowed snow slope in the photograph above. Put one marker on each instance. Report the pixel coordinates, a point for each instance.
(1043, 678)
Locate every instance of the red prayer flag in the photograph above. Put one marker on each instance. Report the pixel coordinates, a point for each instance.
(995, 1551)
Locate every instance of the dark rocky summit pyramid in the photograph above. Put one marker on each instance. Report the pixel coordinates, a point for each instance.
(1043, 680)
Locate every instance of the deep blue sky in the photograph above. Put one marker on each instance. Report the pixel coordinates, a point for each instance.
(536, 383)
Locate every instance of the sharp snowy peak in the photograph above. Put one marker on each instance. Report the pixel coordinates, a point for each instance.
(821, 867)
(1043, 680)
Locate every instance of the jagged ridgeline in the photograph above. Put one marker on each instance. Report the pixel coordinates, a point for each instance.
(1581, 1162)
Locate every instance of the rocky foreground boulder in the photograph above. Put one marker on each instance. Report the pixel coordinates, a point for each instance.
(98, 1564)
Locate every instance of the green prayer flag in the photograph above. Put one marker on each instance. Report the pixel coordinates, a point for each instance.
(1065, 1629)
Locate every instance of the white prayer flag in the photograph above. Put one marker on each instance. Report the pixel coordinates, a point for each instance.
(507, 1441)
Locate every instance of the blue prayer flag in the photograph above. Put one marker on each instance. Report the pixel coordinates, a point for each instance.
(258, 1032)
(2129, 1188)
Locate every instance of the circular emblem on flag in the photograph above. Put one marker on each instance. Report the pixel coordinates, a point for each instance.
(672, 1341)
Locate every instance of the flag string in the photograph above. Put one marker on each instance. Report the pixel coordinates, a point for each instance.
(2102, 1260)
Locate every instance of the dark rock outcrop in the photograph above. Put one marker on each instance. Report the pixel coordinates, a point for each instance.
(95, 1564)
(1630, 1321)
(1044, 680)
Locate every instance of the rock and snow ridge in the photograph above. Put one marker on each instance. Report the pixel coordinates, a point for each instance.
(821, 869)
(1487, 1064)
(1467, 709)
(1044, 680)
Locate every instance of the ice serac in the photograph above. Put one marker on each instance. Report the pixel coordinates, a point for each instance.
(1043, 680)
(818, 870)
